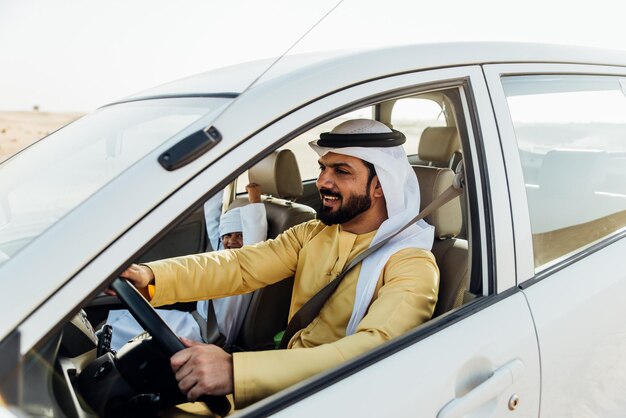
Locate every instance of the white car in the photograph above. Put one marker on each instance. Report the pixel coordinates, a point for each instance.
(531, 318)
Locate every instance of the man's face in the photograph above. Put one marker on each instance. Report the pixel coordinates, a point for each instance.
(232, 240)
(344, 188)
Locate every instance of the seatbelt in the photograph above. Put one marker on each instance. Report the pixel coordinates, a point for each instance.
(209, 330)
(313, 306)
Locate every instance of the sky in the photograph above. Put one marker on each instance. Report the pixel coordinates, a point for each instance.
(77, 55)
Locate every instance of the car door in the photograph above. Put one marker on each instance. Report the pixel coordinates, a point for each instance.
(480, 360)
(563, 129)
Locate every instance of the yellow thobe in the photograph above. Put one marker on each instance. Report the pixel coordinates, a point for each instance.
(314, 254)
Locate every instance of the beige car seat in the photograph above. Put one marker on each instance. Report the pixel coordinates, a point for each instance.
(440, 146)
(451, 252)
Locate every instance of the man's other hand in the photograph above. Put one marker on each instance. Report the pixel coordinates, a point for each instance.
(203, 369)
(139, 276)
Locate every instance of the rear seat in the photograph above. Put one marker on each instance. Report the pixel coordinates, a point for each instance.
(279, 177)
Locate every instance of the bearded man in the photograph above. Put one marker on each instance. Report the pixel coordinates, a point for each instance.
(368, 192)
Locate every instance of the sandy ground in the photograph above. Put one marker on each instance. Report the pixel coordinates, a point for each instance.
(20, 129)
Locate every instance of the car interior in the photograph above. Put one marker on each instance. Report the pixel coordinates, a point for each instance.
(77, 356)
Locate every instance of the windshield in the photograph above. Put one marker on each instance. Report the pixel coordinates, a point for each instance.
(44, 182)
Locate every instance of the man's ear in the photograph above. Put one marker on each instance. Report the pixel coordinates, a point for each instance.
(377, 188)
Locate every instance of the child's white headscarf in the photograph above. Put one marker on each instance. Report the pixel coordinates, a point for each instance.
(402, 197)
(230, 222)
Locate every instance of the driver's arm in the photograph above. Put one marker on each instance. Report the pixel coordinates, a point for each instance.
(229, 272)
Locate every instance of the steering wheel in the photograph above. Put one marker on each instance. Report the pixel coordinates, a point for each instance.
(161, 333)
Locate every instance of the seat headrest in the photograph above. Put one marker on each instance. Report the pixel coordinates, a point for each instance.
(437, 144)
(448, 219)
(278, 175)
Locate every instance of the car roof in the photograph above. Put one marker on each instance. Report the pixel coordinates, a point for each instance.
(234, 80)
(265, 94)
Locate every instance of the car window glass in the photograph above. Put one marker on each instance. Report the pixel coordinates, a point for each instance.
(47, 180)
(412, 115)
(570, 133)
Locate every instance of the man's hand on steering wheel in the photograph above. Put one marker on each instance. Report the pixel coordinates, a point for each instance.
(202, 369)
(209, 359)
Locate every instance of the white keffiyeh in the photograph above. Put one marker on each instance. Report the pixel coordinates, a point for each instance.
(402, 197)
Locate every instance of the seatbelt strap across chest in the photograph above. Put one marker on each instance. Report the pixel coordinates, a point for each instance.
(209, 330)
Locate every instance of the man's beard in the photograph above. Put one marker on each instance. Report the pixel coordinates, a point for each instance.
(355, 205)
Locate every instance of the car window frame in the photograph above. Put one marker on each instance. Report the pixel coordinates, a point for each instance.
(526, 272)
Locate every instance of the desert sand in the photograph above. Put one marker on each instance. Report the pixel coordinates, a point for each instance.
(20, 129)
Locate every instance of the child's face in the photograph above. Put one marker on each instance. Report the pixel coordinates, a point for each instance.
(232, 240)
